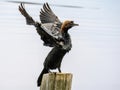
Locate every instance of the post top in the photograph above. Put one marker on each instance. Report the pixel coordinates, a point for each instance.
(57, 73)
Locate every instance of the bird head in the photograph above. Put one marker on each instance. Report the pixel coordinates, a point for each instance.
(67, 25)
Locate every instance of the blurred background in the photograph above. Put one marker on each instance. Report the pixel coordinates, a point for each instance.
(94, 59)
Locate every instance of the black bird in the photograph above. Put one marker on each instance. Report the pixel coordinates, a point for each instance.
(54, 33)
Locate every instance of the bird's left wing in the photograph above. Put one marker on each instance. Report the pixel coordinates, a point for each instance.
(49, 32)
(29, 19)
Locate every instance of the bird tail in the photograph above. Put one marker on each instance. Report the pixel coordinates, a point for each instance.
(41, 75)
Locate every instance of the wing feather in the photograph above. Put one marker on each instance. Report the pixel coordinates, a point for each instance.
(47, 15)
(29, 19)
(49, 28)
(50, 22)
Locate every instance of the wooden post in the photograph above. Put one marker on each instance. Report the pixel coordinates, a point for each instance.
(56, 81)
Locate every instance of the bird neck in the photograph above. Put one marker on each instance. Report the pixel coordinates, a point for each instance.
(64, 30)
(64, 27)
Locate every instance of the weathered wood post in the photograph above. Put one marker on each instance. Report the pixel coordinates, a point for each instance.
(56, 81)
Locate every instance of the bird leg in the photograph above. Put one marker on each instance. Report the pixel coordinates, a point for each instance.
(59, 69)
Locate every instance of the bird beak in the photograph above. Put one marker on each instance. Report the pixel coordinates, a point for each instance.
(74, 24)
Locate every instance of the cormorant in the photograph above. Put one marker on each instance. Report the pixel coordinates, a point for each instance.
(54, 33)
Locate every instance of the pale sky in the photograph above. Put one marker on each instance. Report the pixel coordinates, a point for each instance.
(94, 59)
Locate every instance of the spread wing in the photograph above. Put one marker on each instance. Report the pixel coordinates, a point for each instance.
(50, 22)
(48, 29)
(29, 19)
(47, 15)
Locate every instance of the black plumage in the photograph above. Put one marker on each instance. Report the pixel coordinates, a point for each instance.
(52, 61)
(54, 34)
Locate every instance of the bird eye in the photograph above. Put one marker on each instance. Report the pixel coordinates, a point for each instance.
(72, 22)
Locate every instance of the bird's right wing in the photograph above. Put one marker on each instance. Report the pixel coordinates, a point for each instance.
(49, 32)
(50, 22)
(47, 15)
